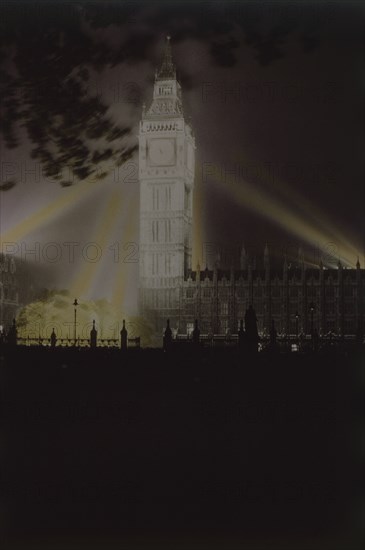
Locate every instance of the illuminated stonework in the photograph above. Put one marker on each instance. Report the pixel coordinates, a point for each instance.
(298, 299)
(166, 175)
(9, 290)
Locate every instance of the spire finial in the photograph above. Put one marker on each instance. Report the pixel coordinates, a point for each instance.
(167, 69)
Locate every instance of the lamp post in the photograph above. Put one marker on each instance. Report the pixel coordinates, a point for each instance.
(75, 304)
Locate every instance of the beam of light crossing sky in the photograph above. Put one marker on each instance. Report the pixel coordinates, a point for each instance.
(270, 208)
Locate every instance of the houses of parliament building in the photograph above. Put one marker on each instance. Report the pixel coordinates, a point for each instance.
(296, 298)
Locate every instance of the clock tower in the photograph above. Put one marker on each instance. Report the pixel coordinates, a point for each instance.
(166, 176)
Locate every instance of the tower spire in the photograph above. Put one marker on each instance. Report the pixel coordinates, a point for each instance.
(167, 69)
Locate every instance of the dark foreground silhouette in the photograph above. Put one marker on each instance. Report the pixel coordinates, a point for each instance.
(152, 449)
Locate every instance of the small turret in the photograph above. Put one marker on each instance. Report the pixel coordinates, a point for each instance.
(167, 339)
(53, 339)
(123, 337)
(93, 336)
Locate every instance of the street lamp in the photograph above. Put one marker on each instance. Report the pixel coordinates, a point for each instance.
(75, 304)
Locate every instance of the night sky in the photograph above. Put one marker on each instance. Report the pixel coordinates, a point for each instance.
(275, 96)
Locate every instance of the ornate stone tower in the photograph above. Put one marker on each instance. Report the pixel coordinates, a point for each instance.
(166, 175)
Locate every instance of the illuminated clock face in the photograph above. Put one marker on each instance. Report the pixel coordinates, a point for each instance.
(162, 152)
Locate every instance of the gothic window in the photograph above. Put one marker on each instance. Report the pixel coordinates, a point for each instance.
(154, 264)
(240, 293)
(190, 293)
(224, 308)
(155, 225)
(224, 326)
(204, 326)
(207, 293)
(168, 231)
(223, 293)
(155, 199)
(167, 264)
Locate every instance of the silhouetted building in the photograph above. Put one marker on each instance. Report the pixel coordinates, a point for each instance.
(167, 338)
(12, 336)
(9, 290)
(219, 297)
(20, 284)
(53, 339)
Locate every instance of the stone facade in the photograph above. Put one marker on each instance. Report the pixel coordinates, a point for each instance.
(299, 299)
(9, 290)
